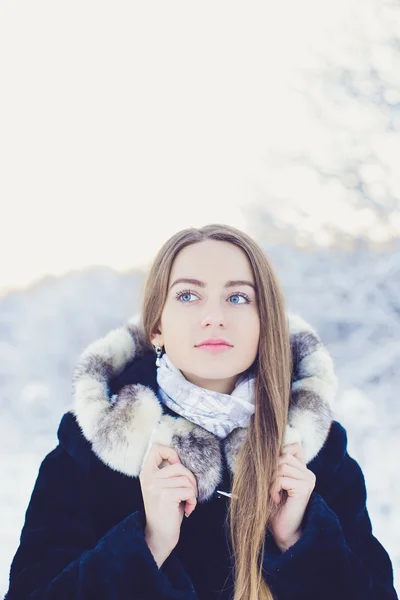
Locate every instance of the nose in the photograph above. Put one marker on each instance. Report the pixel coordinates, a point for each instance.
(213, 317)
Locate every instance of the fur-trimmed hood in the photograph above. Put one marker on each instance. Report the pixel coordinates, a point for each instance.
(121, 427)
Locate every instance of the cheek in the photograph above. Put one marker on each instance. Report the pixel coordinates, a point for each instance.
(253, 338)
(251, 329)
(173, 327)
(179, 321)
(170, 317)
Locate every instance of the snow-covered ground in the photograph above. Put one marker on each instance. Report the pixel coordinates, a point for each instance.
(352, 298)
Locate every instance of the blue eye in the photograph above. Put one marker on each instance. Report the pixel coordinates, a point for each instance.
(238, 296)
(180, 295)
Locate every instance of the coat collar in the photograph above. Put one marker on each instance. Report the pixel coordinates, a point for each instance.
(121, 428)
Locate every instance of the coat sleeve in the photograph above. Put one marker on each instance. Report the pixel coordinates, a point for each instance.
(337, 555)
(59, 557)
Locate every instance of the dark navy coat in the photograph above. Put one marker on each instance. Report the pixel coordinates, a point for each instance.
(83, 536)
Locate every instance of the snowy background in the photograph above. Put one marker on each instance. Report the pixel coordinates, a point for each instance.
(351, 298)
(122, 124)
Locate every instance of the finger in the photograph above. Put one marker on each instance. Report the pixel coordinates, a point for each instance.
(275, 493)
(275, 490)
(179, 481)
(296, 450)
(288, 483)
(288, 478)
(176, 470)
(290, 471)
(183, 494)
(158, 453)
(291, 460)
(294, 463)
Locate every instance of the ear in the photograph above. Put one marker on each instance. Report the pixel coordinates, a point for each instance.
(157, 339)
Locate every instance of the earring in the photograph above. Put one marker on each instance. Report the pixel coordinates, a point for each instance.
(158, 352)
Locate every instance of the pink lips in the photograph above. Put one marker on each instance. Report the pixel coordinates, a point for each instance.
(215, 345)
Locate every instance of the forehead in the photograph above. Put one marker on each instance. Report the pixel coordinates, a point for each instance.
(211, 260)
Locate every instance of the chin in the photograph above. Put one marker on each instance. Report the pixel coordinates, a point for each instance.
(213, 371)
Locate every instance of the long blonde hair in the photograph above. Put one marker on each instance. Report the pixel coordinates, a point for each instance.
(251, 505)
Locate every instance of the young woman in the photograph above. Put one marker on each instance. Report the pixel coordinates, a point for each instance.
(215, 404)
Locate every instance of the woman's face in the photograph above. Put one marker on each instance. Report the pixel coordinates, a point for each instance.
(212, 307)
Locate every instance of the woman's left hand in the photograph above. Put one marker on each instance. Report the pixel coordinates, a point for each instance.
(293, 476)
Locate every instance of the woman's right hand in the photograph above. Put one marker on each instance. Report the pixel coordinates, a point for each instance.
(165, 491)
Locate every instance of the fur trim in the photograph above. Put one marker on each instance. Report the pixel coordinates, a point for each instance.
(121, 432)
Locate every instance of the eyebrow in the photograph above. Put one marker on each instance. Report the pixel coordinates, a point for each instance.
(230, 283)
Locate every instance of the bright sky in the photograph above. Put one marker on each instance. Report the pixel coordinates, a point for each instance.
(123, 122)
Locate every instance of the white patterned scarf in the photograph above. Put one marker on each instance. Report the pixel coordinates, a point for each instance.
(218, 413)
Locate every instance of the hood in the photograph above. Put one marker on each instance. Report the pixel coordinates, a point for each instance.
(121, 427)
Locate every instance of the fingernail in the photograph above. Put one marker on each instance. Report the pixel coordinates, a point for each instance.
(186, 515)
